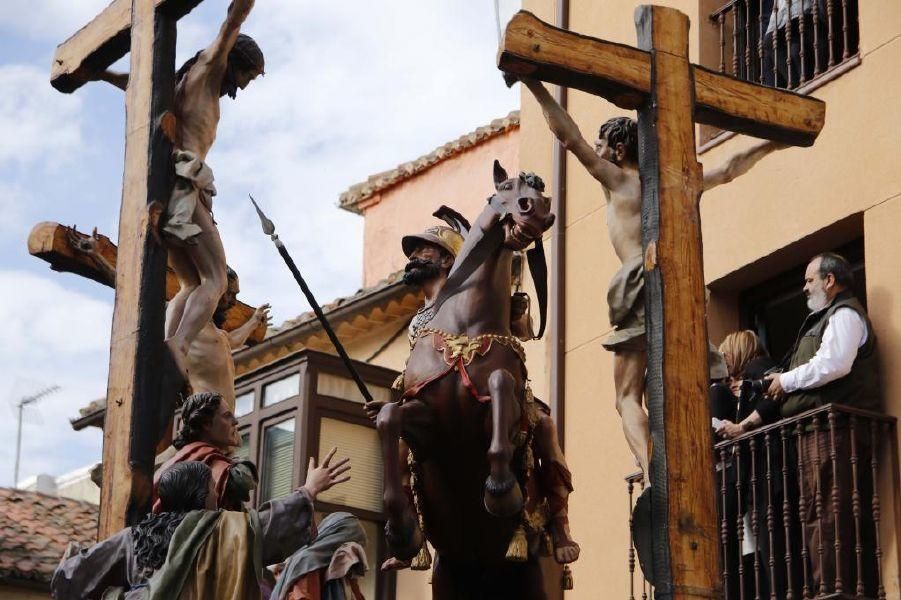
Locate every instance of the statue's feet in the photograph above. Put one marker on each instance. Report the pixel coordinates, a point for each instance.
(566, 550)
(393, 564)
(404, 539)
(503, 497)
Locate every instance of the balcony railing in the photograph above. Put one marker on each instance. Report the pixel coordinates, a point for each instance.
(785, 43)
(800, 507)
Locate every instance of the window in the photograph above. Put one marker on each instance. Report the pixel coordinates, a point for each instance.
(346, 389)
(244, 404)
(361, 444)
(242, 452)
(278, 460)
(281, 390)
(785, 43)
(775, 309)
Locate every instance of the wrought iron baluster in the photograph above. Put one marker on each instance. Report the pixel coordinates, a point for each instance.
(755, 525)
(748, 76)
(877, 507)
(739, 519)
(735, 47)
(774, 19)
(830, 33)
(788, 45)
(770, 517)
(816, 38)
(760, 36)
(802, 507)
(721, 21)
(724, 522)
(786, 517)
(630, 486)
(803, 42)
(818, 499)
(855, 506)
(846, 51)
(836, 516)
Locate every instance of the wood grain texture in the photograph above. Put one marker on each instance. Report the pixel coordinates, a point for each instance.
(686, 555)
(102, 42)
(48, 241)
(136, 406)
(622, 75)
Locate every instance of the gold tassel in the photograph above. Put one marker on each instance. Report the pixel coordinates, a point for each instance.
(518, 550)
(567, 579)
(423, 560)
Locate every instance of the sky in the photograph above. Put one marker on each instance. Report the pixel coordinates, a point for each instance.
(351, 89)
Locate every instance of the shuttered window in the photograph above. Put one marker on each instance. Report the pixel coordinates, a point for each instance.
(243, 404)
(361, 444)
(281, 389)
(344, 388)
(278, 460)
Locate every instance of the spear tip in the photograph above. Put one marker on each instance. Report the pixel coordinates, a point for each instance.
(265, 222)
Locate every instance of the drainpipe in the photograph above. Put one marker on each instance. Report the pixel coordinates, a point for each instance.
(558, 263)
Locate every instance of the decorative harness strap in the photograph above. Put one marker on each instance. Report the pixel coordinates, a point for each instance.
(458, 351)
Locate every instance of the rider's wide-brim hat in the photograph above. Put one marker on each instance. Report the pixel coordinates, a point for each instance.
(443, 237)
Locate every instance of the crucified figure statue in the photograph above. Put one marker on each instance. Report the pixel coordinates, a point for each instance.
(613, 161)
(195, 249)
(211, 367)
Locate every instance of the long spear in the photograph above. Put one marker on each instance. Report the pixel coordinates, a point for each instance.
(269, 229)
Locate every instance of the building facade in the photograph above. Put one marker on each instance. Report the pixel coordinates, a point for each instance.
(759, 231)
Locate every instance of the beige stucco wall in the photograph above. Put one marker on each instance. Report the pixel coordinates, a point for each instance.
(462, 182)
(852, 169)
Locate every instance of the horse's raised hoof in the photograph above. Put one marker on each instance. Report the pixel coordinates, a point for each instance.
(404, 542)
(503, 498)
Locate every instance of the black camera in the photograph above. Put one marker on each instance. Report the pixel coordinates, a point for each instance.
(756, 387)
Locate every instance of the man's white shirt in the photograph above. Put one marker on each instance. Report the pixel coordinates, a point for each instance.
(845, 332)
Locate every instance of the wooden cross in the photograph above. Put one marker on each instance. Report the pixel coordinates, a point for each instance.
(137, 356)
(670, 94)
(49, 242)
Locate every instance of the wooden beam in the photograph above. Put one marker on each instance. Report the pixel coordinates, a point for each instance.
(102, 42)
(622, 75)
(49, 242)
(685, 548)
(137, 407)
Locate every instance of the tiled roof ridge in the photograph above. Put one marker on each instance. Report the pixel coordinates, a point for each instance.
(309, 315)
(350, 199)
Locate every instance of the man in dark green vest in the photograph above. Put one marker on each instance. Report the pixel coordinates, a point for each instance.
(834, 360)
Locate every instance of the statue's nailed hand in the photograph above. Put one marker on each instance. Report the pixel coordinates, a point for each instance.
(326, 476)
(262, 317)
(83, 243)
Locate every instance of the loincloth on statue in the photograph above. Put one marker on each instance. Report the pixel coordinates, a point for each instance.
(193, 184)
(625, 299)
(458, 351)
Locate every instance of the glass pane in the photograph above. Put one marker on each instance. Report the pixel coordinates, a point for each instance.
(281, 389)
(242, 452)
(244, 404)
(344, 388)
(361, 445)
(278, 460)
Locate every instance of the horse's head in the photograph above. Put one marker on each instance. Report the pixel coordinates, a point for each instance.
(528, 211)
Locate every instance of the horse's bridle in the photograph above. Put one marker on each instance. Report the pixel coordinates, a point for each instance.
(483, 248)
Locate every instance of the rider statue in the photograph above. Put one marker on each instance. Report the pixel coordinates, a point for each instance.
(431, 255)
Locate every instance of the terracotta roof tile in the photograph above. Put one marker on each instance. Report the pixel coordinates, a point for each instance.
(35, 530)
(379, 182)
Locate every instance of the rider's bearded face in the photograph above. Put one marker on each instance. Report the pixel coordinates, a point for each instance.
(424, 265)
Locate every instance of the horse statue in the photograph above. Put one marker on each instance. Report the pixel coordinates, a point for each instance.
(466, 416)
